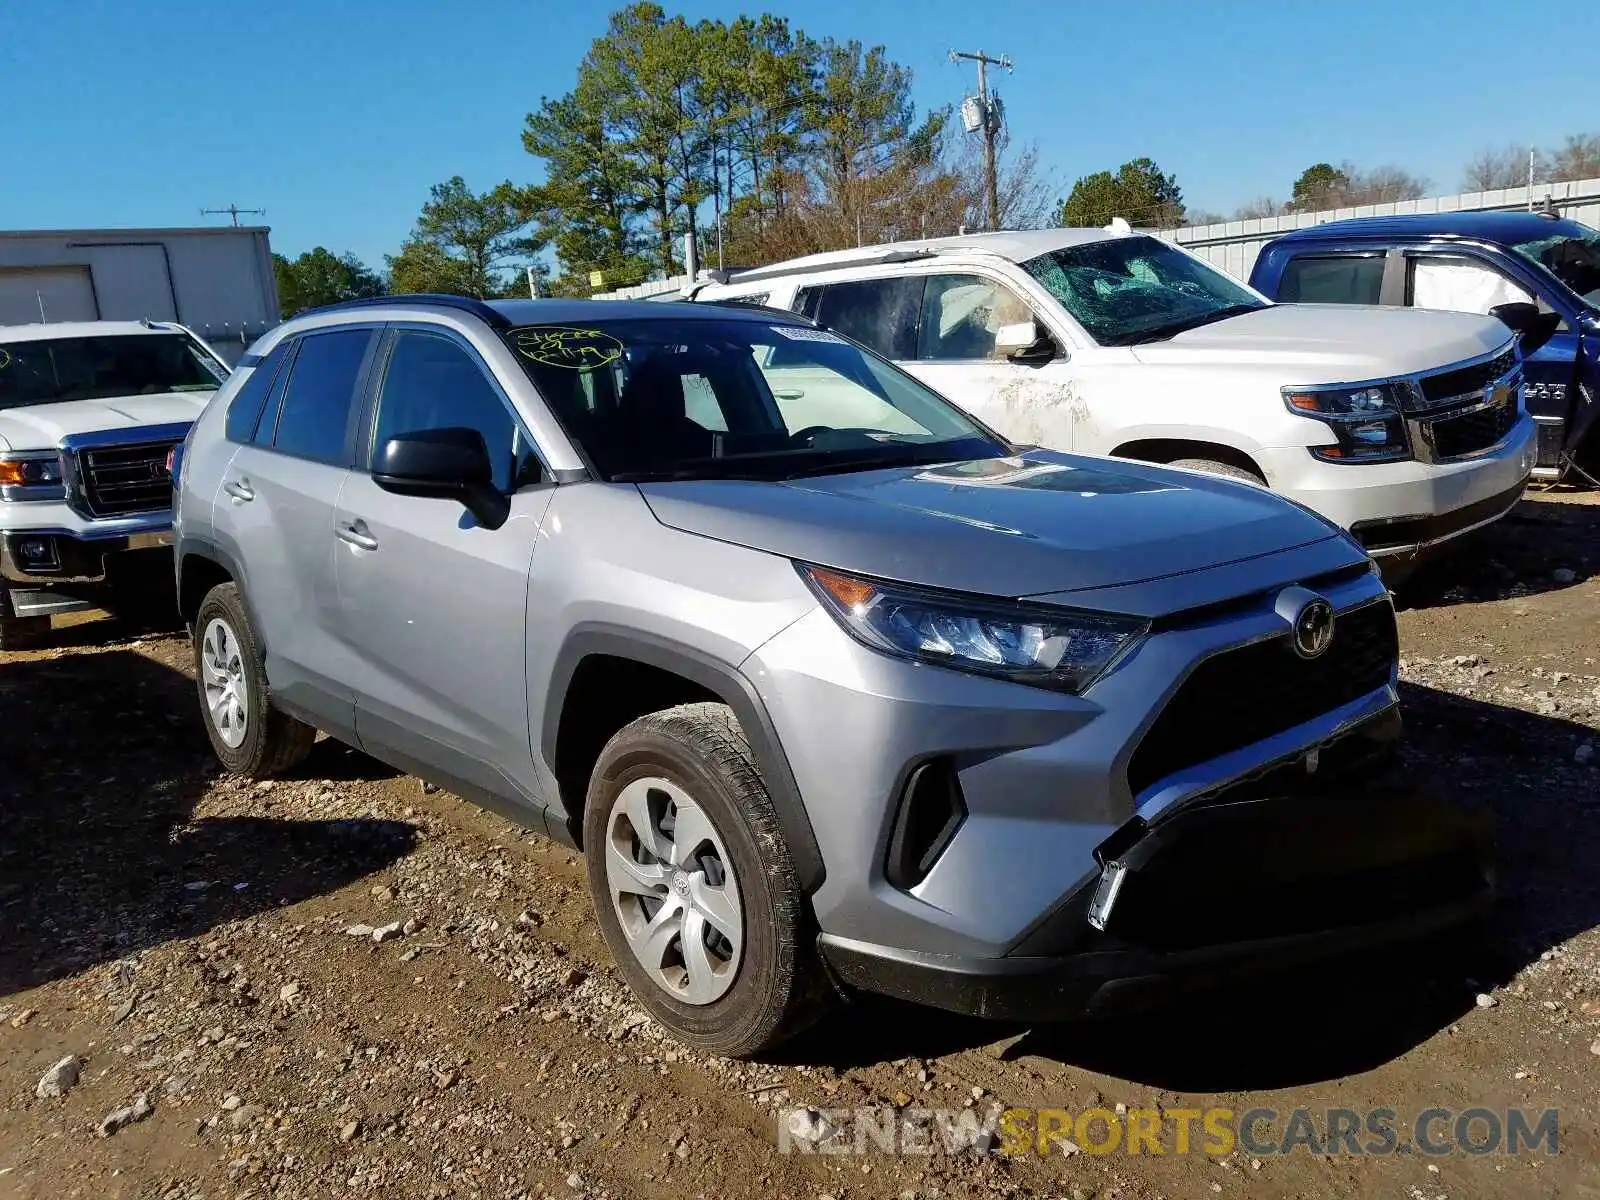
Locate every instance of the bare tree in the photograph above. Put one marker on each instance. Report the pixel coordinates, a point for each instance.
(1027, 192)
(1578, 159)
(1261, 206)
(1381, 185)
(1507, 168)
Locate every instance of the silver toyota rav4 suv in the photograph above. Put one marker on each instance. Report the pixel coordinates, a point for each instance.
(835, 689)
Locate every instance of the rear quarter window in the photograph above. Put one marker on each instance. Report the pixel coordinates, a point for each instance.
(244, 411)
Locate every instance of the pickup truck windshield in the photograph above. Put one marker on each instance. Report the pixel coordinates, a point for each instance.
(55, 370)
(1127, 290)
(687, 398)
(1573, 260)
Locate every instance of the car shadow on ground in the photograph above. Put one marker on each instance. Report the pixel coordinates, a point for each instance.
(102, 761)
(1351, 1015)
(1527, 552)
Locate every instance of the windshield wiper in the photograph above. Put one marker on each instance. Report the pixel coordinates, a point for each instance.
(1162, 332)
(876, 462)
(664, 476)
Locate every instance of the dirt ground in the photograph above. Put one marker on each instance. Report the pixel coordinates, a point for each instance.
(189, 939)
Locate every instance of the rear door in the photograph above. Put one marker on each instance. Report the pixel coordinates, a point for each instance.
(433, 608)
(277, 498)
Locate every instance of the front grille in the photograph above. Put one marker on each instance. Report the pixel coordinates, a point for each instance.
(1460, 382)
(119, 480)
(1455, 436)
(1238, 697)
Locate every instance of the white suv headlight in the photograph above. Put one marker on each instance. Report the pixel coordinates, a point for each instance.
(1062, 649)
(1367, 422)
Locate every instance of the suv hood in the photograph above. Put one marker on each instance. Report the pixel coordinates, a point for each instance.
(1334, 343)
(42, 426)
(1035, 523)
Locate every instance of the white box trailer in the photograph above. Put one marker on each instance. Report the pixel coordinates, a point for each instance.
(218, 281)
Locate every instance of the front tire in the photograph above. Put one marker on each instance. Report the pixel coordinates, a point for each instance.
(249, 735)
(694, 886)
(24, 633)
(1212, 467)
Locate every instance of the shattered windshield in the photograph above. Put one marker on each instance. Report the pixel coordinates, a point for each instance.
(708, 398)
(1127, 290)
(105, 366)
(1572, 258)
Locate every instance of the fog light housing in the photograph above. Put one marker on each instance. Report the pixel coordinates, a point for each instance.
(35, 554)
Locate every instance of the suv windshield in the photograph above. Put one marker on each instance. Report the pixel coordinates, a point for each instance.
(53, 370)
(687, 398)
(1573, 259)
(1126, 290)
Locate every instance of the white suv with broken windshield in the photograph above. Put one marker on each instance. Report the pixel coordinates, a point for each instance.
(1405, 427)
(91, 414)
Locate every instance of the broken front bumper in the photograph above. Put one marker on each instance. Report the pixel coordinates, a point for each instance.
(1266, 876)
(53, 569)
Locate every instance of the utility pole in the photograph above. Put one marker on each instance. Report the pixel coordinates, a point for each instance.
(988, 117)
(233, 210)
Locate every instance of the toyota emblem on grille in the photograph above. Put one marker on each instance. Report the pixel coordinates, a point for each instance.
(1313, 628)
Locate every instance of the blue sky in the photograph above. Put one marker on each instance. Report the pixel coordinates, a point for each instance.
(335, 116)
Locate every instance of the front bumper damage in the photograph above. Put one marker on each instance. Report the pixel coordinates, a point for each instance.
(1264, 876)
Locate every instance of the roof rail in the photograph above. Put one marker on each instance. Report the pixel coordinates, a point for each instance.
(801, 267)
(478, 308)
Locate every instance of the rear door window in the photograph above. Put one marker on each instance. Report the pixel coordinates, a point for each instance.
(1333, 279)
(881, 314)
(314, 414)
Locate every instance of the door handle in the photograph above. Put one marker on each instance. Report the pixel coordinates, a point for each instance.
(240, 490)
(790, 394)
(356, 533)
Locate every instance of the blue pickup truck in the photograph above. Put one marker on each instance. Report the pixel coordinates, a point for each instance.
(1529, 268)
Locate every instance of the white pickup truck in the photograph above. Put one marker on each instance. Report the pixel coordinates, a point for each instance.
(90, 414)
(1405, 427)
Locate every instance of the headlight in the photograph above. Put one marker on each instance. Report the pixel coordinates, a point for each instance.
(1367, 422)
(31, 471)
(1052, 648)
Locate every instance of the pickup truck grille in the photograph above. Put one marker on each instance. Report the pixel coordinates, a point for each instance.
(1466, 380)
(120, 480)
(1239, 697)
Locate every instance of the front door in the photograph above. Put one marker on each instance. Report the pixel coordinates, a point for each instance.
(433, 605)
(956, 355)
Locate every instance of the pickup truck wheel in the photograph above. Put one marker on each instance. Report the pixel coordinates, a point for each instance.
(1212, 467)
(24, 633)
(694, 885)
(250, 736)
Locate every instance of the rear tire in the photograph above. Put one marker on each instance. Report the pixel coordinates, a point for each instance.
(711, 861)
(1212, 467)
(251, 737)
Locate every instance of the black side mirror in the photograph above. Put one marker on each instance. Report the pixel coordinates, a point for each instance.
(443, 464)
(1536, 326)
